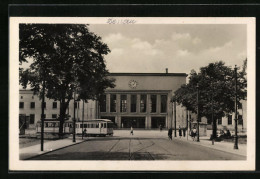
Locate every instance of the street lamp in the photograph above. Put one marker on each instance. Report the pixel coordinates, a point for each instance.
(175, 135)
(236, 137)
(198, 137)
(42, 115)
(74, 120)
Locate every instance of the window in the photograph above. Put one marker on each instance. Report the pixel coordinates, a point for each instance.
(133, 103)
(220, 121)
(163, 103)
(32, 118)
(240, 119)
(229, 119)
(44, 105)
(112, 103)
(239, 105)
(143, 103)
(32, 105)
(21, 105)
(21, 97)
(123, 103)
(153, 103)
(54, 116)
(54, 105)
(103, 103)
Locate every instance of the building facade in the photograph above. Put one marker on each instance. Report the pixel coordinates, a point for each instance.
(142, 100)
(30, 106)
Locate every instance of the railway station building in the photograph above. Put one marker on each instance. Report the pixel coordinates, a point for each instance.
(143, 100)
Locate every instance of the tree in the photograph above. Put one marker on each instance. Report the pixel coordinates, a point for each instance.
(216, 86)
(68, 57)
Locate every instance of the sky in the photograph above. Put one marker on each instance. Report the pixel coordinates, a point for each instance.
(150, 48)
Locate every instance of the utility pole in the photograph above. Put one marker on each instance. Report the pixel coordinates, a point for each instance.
(42, 115)
(198, 133)
(74, 120)
(236, 137)
(175, 135)
(82, 118)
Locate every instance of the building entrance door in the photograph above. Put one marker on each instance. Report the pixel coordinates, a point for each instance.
(135, 122)
(157, 121)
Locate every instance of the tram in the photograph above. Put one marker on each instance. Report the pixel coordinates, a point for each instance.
(51, 126)
(96, 127)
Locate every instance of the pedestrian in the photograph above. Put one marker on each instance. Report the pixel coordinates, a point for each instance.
(160, 128)
(170, 134)
(84, 132)
(193, 133)
(180, 132)
(184, 132)
(132, 131)
(122, 125)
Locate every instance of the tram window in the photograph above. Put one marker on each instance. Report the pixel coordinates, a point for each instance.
(46, 124)
(81, 125)
(85, 125)
(102, 125)
(57, 124)
(97, 125)
(105, 125)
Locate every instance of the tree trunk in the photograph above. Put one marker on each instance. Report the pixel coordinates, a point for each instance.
(63, 108)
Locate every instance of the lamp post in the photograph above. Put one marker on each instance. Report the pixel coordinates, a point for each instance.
(236, 137)
(198, 133)
(74, 119)
(42, 115)
(175, 135)
(82, 118)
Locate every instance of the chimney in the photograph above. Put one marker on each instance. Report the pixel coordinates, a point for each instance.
(166, 69)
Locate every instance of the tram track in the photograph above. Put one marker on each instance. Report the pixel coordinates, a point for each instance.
(144, 148)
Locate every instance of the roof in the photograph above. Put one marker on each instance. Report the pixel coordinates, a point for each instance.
(147, 74)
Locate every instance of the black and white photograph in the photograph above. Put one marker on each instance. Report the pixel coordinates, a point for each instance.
(130, 93)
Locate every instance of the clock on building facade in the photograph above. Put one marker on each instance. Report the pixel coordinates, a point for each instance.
(133, 84)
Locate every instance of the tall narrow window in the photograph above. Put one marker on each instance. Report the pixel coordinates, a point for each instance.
(21, 105)
(54, 105)
(32, 118)
(123, 103)
(133, 103)
(240, 119)
(239, 105)
(153, 102)
(112, 103)
(229, 119)
(143, 103)
(103, 103)
(163, 103)
(32, 105)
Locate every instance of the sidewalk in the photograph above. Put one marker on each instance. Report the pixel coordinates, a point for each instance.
(35, 150)
(222, 146)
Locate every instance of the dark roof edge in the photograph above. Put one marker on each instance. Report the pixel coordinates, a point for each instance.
(148, 74)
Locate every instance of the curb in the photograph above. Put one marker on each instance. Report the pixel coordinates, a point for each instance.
(54, 150)
(197, 143)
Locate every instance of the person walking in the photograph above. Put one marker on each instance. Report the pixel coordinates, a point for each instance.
(132, 131)
(193, 133)
(180, 132)
(170, 134)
